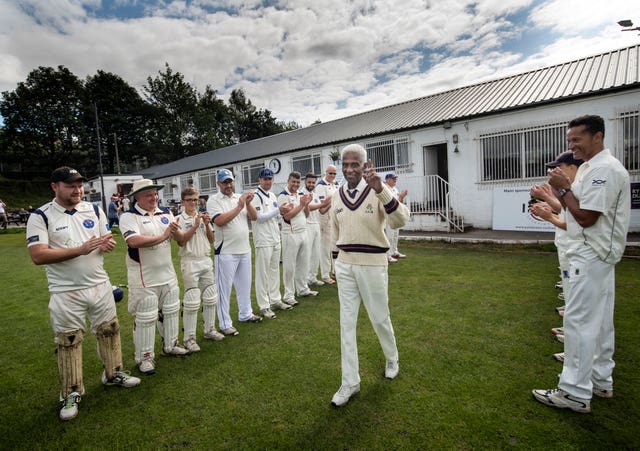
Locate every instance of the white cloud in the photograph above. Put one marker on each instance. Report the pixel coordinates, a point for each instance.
(301, 58)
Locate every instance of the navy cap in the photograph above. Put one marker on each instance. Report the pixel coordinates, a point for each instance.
(224, 175)
(391, 175)
(265, 173)
(566, 158)
(67, 175)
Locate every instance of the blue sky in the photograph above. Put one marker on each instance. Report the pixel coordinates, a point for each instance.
(306, 60)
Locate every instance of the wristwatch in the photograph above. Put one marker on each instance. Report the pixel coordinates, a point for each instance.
(564, 191)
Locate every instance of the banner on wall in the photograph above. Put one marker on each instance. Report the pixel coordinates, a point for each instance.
(635, 196)
(511, 211)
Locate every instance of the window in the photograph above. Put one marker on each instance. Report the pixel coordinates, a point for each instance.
(630, 136)
(390, 154)
(250, 175)
(521, 153)
(186, 180)
(207, 181)
(307, 163)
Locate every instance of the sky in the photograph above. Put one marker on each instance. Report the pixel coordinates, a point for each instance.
(308, 60)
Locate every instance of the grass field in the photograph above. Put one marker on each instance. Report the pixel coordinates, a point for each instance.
(472, 324)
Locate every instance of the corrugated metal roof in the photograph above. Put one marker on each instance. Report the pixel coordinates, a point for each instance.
(615, 70)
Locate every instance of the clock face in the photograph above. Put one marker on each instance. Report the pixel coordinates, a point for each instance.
(274, 165)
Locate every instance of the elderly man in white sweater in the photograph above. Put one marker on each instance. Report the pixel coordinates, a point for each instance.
(360, 210)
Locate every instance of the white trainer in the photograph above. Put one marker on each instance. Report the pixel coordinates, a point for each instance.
(291, 302)
(391, 370)
(602, 393)
(304, 294)
(191, 345)
(268, 313)
(176, 350)
(559, 356)
(398, 255)
(328, 280)
(69, 408)
(230, 331)
(281, 306)
(316, 283)
(344, 394)
(213, 335)
(147, 366)
(121, 378)
(390, 259)
(562, 400)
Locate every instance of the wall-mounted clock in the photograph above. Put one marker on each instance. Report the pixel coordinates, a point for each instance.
(275, 165)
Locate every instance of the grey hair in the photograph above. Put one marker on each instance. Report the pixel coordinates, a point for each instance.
(355, 149)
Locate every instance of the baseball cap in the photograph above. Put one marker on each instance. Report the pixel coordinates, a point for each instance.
(67, 175)
(391, 175)
(566, 158)
(265, 173)
(224, 175)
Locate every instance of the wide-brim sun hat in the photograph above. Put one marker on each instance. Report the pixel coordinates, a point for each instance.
(143, 185)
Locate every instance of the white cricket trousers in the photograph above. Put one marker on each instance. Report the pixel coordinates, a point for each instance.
(267, 268)
(295, 264)
(233, 269)
(314, 245)
(392, 236)
(326, 258)
(588, 325)
(369, 283)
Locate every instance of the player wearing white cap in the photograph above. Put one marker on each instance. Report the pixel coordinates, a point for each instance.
(266, 241)
(69, 237)
(295, 257)
(154, 295)
(197, 270)
(598, 202)
(230, 212)
(324, 190)
(360, 210)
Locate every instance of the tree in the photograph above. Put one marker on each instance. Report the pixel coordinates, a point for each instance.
(174, 103)
(43, 121)
(122, 115)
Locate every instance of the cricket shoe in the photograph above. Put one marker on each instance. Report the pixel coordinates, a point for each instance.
(560, 310)
(252, 319)
(391, 370)
(230, 331)
(328, 280)
(398, 255)
(344, 394)
(557, 331)
(268, 313)
(281, 306)
(291, 302)
(315, 283)
(213, 335)
(176, 350)
(69, 408)
(601, 393)
(560, 338)
(390, 259)
(191, 345)
(560, 399)
(561, 296)
(559, 356)
(147, 366)
(305, 294)
(122, 379)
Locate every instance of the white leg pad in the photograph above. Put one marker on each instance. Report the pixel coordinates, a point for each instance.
(209, 305)
(171, 320)
(191, 304)
(144, 333)
(109, 350)
(70, 362)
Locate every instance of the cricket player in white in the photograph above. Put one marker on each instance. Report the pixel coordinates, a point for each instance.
(598, 202)
(69, 237)
(266, 241)
(154, 295)
(360, 209)
(230, 212)
(324, 190)
(314, 237)
(295, 257)
(197, 270)
(392, 234)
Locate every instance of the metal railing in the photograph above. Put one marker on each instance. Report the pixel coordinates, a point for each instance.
(431, 194)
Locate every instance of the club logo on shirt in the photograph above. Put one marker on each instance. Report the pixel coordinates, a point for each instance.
(33, 239)
(369, 209)
(275, 204)
(164, 220)
(88, 224)
(338, 210)
(598, 182)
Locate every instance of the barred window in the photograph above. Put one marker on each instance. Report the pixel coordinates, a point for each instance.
(307, 163)
(250, 175)
(185, 181)
(630, 140)
(207, 181)
(389, 154)
(522, 153)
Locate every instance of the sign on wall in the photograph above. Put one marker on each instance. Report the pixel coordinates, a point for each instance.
(511, 211)
(635, 195)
